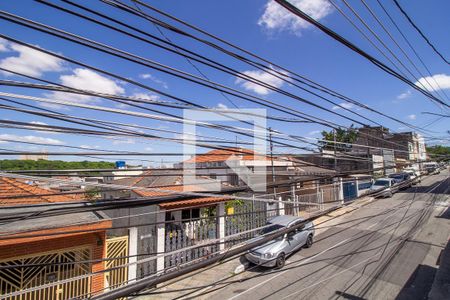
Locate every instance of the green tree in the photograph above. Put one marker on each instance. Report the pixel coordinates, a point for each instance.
(439, 152)
(340, 135)
(41, 164)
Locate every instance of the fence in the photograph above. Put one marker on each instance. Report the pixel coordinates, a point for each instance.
(246, 216)
(189, 234)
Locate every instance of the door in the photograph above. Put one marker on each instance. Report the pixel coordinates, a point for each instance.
(349, 190)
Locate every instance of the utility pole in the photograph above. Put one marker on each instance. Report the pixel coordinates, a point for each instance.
(271, 162)
(334, 144)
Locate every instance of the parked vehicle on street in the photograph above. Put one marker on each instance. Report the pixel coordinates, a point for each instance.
(414, 175)
(386, 187)
(274, 252)
(403, 179)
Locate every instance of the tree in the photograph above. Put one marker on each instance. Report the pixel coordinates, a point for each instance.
(438, 152)
(340, 135)
(42, 164)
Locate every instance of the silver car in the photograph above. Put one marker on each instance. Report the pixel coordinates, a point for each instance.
(273, 253)
(385, 187)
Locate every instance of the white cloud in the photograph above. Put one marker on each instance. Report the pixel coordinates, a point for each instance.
(346, 105)
(124, 141)
(29, 61)
(436, 82)
(89, 147)
(148, 149)
(404, 95)
(42, 131)
(221, 106)
(4, 45)
(262, 76)
(38, 123)
(412, 117)
(314, 132)
(31, 139)
(122, 105)
(154, 79)
(84, 79)
(276, 17)
(91, 81)
(145, 96)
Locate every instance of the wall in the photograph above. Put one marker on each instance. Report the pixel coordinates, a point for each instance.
(144, 219)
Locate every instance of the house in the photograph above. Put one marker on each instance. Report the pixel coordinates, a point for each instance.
(48, 256)
(121, 171)
(303, 176)
(183, 228)
(406, 147)
(162, 226)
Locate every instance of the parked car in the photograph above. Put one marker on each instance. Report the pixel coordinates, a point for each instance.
(414, 175)
(386, 187)
(274, 252)
(403, 179)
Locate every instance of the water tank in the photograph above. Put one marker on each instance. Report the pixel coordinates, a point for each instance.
(120, 164)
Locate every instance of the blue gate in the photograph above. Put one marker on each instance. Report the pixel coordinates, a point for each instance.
(350, 191)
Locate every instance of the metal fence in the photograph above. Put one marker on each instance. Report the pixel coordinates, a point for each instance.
(188, 234)
(244, 217)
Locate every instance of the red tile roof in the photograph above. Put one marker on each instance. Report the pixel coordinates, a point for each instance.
(32, 193)
(191, 202)
(220, 155)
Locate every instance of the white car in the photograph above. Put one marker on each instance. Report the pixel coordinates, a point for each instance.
(415, 175)
(385, 187)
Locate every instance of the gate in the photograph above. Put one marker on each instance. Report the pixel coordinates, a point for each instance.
(33, 271)
(350, 191)
(116, 252)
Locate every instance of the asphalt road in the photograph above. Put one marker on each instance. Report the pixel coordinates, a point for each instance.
(388, 249)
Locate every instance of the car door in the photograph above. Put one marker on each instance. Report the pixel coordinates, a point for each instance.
(300, 236)
(291, 242)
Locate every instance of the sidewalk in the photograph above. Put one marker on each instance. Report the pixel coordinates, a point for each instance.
(232, 267)
(441, 285)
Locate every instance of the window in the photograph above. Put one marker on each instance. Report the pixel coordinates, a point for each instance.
(189, 214)
(234, 179)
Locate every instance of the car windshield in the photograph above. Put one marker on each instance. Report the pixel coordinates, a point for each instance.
(382, 183)
(397, 176)
(270, 228)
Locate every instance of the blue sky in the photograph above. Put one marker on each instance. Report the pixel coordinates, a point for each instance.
(258, 26)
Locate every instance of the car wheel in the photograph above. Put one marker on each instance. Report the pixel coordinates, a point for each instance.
(390, 195)
(309, 241)
(281, 260)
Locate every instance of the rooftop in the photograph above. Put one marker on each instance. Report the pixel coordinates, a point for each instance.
(220, 155)
(16, 192)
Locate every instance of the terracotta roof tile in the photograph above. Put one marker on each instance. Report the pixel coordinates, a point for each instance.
(220, 155)
(11, 188)
(191, 202)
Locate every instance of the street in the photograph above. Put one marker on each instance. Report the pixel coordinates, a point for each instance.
(388, 249)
